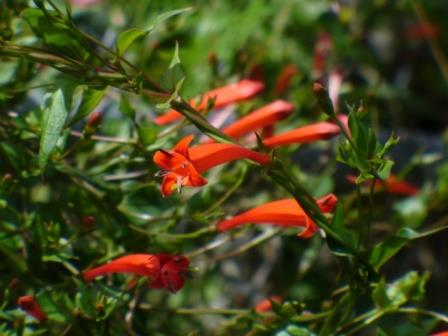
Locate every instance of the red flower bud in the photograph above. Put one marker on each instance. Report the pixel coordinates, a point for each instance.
(29, 304)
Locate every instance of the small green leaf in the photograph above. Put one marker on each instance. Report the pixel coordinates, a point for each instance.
(379, 295)
(126, 38)
(90, 99)
(126, 108)
(55, 114)
(385, 169)
(174, 76)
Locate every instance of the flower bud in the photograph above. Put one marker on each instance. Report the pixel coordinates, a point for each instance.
(323, 98)
(93, 121)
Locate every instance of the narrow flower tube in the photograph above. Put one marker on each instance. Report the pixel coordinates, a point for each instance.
(305, 134)
(140, 264)
(223, 96)
(392, 185)
(285, 212)
(258, 119)
(165, 271)
(284, 79)
(30, 305)
(183, 166)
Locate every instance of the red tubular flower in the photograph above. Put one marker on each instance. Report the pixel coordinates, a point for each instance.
(305, 134)
(30, 305)
(266, 304)
(183, 165)
(258, 119)
(284, 79)
(165, 271)
(285, 212)
(141, 264)
(223, 96)
(392, 185)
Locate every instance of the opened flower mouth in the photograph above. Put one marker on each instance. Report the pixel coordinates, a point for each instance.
(183, 165)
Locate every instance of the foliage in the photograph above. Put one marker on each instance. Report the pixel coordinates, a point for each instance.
(80, 153)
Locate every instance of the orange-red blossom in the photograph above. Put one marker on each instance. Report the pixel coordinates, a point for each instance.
(306, 134)
(30, 305)
(164, 271)
(285, 212)
(184, 165)
(223, 96)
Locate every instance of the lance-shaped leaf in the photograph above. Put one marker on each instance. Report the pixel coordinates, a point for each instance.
(55, 113)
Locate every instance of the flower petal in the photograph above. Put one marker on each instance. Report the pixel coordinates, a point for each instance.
(285, 212)
(305, 134)
(258, 119)
(182, 146)
(172, 273)
(141, 264)
(232, 93)
(207, 156)
(168, 160)
(169, 184)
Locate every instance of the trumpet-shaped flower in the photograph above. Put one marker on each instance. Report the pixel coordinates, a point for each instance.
(285, 212)
(30, 305)
(165, 271)
(305, 134)
(223, 96)
(183, 166)
(258, 119)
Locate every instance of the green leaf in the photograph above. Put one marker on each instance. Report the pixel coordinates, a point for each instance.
(379, 295)
(385, 169)
(174, 76)
(126, 38)
(147, 132)
(410, 287)
(90, 99)
(55, 114)
(385, 250)
(55, 33)
(126, 108)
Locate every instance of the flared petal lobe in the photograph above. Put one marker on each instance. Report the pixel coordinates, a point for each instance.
(286, 212)
(172, 273)
(232, 93)
(259, 119)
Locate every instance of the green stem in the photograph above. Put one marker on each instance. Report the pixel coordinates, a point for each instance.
(370, 214)
(229, 192)
(360, 224)
(268, 234)
(413, 310)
